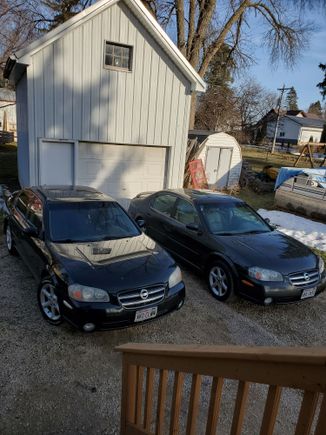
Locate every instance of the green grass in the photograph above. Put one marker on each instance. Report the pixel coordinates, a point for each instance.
(8, 166)
(256, 200)
(260, 158)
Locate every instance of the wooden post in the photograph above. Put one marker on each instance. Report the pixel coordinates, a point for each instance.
(128, 394)
(214, 406)
(271, 408)
(240, 408)
(193, 404)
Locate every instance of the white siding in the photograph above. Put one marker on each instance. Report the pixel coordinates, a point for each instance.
(290, 128)
(74, 97)
(22, 131)
(306, 133)
(224, 140)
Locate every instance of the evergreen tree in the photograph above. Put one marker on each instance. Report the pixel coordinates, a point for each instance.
(62, 10)
(315, 108)
(221, 68)
(322, 84)
(292, 100)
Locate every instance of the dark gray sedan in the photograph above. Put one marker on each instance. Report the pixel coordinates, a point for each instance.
(239, 252)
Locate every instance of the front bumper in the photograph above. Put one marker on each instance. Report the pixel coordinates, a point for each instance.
(277, 292)
(107, 316)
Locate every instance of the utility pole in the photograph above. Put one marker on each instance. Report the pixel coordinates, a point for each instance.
(282, 90)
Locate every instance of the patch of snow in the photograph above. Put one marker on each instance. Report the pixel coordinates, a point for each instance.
(309, 232)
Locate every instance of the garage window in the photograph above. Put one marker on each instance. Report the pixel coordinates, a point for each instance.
(118, 56)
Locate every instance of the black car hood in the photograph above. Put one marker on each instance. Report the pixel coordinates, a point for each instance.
(114, 265)
(271, 250)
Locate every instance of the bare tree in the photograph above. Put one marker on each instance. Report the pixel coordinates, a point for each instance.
(203, 27)
(253, 102)
(17, 27)
(21, 21)
(236, 109)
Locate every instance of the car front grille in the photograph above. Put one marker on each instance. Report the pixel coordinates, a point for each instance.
(302, 279)
(132, 299)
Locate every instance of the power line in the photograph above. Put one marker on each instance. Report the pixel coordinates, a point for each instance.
(282, 90)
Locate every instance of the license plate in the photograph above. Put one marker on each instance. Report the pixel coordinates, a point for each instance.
(146, 314)
(308, 293)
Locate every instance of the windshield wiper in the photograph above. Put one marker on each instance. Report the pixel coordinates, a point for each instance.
(255, 232)
(224, 234)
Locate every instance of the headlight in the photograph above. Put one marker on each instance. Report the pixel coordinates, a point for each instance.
(264, 274)
(175, 277)
(321, 265)
(87, 294)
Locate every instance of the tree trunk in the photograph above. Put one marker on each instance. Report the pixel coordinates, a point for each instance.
(192, 111)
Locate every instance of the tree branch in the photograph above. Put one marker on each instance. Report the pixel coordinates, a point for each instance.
(180, 12)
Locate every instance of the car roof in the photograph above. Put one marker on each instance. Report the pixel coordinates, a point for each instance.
(203, 195)
(70, 194)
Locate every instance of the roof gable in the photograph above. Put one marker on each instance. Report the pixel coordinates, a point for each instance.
(143, 15)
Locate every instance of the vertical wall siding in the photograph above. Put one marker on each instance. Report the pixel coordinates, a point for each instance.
(22, 131)
(75, 97)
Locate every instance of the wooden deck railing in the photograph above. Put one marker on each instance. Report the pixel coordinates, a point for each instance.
(144, 406)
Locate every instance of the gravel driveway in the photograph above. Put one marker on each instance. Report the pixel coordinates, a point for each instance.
(59, 380)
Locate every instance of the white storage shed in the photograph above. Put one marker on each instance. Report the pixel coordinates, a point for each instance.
(221, 156)
(103, 100)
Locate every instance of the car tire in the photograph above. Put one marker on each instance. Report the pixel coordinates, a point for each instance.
(220, 280)
(48, 302)
(9, 240)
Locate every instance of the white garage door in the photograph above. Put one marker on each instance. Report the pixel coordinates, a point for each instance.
(121, 171)
(56, 163)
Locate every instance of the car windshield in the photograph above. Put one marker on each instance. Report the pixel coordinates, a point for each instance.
(232, 218)
(89, 222)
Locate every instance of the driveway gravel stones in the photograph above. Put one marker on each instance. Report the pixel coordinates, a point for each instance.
(57, 380)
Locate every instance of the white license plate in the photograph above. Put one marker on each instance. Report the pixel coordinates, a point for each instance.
(146, 314)
(308, 293)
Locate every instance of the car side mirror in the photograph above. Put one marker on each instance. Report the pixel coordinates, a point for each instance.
(267, 220)
(141, 223)
(194, 227)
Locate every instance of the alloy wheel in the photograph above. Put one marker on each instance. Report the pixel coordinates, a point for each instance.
(218, 281)
(49, 302)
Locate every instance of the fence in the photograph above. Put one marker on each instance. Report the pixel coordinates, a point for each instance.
(296, 368)
(6, 137)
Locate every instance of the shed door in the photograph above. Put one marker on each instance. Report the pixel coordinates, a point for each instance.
(56, 163)
(121, 171)
(218, 163)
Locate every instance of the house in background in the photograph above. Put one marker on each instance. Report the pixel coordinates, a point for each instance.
(104, 100)
(8, 110)
(295, 127)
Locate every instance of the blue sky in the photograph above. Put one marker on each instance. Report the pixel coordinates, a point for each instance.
(304, 75)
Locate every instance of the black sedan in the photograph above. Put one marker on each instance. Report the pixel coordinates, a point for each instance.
(239, 252)
(94, 266)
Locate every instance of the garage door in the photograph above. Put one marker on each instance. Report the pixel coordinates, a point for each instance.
(56, 163)
(121, 171)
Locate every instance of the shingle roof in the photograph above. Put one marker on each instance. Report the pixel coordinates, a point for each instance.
(307, 122)
(7, 95)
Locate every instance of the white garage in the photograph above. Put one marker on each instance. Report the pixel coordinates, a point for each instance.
(104, 100)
